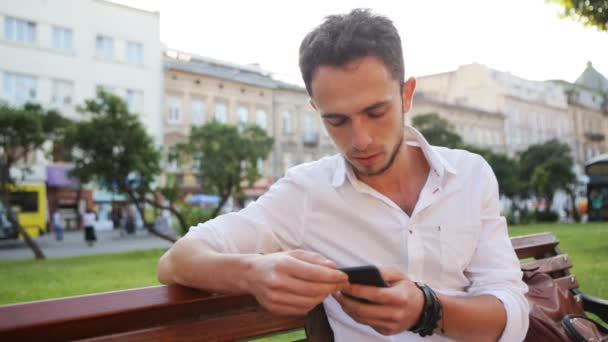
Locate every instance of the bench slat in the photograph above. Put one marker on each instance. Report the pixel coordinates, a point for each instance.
(568, 282)
(535, 245)
(228, 327)
(553, 264)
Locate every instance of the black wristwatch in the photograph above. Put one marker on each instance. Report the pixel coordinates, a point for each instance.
(432, 312)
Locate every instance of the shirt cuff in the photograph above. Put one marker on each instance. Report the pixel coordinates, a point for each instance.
(518, 314)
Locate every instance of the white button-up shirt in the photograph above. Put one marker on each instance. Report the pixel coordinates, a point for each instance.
(456, 241)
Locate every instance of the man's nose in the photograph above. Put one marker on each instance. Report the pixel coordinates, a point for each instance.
(361, 136)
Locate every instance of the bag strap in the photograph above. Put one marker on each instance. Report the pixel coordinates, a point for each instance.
(575, 334)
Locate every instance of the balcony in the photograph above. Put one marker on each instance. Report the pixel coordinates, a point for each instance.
(310, 139)
(594, 137)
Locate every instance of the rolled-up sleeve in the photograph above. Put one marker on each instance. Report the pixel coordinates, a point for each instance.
(494, 268)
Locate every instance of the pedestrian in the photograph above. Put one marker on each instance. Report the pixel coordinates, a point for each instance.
(428, 217)
(57, 225)
(89, 226)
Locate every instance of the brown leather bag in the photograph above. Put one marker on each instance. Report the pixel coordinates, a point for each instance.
(554, 311)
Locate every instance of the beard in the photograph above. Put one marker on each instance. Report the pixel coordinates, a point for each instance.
(393, 155)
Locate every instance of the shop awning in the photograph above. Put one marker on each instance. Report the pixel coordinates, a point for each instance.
(57, 176)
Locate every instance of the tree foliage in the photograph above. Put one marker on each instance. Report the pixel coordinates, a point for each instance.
(548, 167)
(113, 149)
(589, 12)
(225, 156)
(436, 130)
(23, 131)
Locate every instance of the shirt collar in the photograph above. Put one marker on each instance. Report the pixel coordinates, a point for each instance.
(439, 165)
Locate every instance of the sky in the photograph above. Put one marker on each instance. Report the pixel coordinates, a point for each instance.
(524, 37)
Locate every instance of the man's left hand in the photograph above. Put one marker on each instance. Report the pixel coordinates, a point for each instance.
(394, 309)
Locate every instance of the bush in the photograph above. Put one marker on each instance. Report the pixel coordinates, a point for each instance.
(193, 215)
(546, 216)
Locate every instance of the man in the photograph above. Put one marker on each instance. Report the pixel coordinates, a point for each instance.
(420, 213)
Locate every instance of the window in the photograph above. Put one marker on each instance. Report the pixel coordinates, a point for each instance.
(260, 118)
(199, 115)
(104, 47)
(18, 30)
(174, 116)
(135, 54)
(287, 122)
(63, 92)
(243, 116)
(63, 39)
(308, 124)
(221, 112)
(135, 100)
(26, 201)
(18, 88)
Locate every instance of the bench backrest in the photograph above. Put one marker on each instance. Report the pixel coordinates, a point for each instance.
(170, 313)
(540, 252)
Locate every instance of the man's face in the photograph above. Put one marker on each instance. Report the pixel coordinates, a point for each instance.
(362, 108)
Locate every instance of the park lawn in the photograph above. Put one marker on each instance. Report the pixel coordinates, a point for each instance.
(28, 280)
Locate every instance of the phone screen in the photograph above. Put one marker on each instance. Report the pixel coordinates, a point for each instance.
(364, 275)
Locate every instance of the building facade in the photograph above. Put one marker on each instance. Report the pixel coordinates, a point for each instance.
(532, 112)
(199, 89)
(58, 53)
(59, 60)
(588, 108)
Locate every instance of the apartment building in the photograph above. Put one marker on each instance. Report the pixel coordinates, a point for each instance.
(57, 53)
(531, 111)
(588, 108)
(198, 89)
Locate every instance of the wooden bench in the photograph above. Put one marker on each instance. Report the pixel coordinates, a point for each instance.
(171, 313)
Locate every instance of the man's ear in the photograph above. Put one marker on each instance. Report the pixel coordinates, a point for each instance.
(408, 93)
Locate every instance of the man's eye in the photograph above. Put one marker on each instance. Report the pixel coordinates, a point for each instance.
(376, 114)
(335, 120)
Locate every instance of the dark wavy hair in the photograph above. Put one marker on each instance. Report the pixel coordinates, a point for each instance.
(341, 39)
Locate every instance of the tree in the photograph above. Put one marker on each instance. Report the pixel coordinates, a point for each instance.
(548, 167)
(589, 12)
(504, 167)
(114, 150)
(23, 131)
(225, 156)
(436, 130)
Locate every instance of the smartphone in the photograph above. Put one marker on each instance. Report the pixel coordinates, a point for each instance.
(364, 275)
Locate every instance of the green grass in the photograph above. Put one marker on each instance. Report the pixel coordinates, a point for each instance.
(28, 280)
(587, 245)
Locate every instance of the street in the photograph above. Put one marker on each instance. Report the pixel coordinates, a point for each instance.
(73, 244)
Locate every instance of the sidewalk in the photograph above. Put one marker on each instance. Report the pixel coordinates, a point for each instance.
(73, 244)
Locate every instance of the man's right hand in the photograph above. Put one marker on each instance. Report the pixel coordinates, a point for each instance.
(294, 282)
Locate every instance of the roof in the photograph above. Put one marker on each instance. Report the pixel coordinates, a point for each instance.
(592, 79)
(248, 74)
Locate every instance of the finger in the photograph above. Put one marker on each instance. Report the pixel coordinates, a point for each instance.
(311, 272)
(310, 289)
(312, 257)
(378, 295)
(362, 311)
(302, 302)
